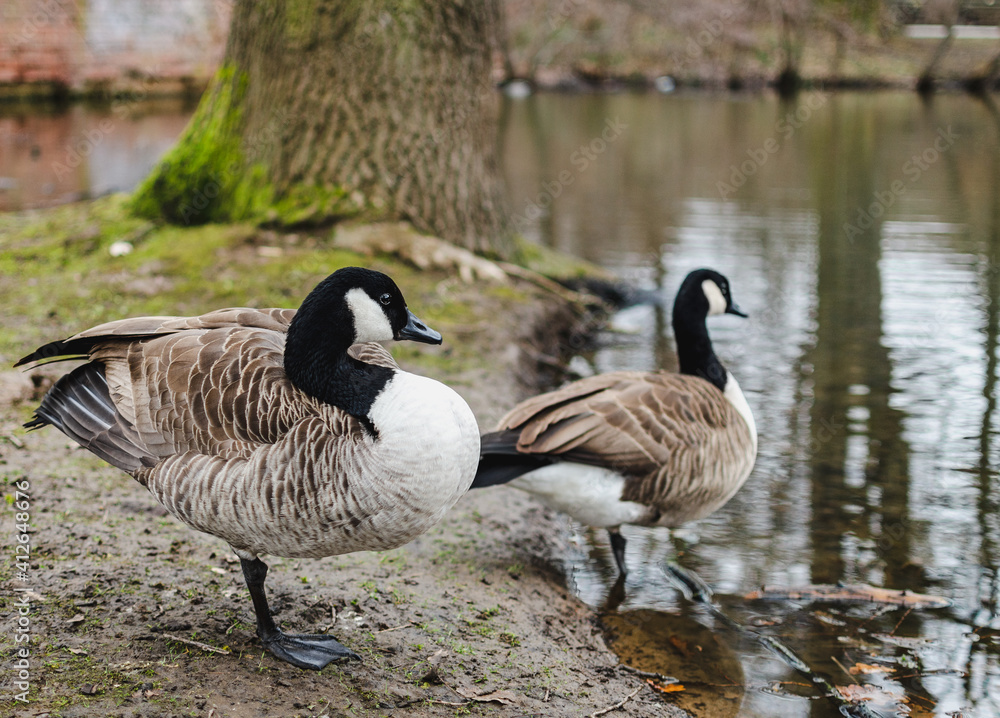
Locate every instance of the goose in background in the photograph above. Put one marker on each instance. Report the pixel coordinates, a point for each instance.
(626, 447)
(267, 429)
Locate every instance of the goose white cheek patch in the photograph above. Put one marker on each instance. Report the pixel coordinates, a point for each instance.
(370, 322)
(716, 302)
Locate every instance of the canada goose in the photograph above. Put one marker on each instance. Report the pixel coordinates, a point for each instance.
(257, 426)
(626, 447)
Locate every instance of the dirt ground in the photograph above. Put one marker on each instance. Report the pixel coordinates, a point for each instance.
(134, 614)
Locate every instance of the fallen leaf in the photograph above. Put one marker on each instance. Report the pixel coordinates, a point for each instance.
(681, 645)
(829, 619)
(503, 696)
(868, 668)
(665, 687)
(856, 693)
(77, 651)
(90, 689)
(77, 618)
(151, 694)
(432, 676)
(220, 571)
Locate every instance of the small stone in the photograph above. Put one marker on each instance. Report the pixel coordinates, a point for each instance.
(120, 248)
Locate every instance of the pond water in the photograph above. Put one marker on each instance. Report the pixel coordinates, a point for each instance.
(50, 156)
(861, 232)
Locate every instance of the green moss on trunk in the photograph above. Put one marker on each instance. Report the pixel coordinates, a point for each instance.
(212, 175)
(203, 178)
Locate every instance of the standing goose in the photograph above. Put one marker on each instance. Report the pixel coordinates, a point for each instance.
(645, 448)
(259, 427)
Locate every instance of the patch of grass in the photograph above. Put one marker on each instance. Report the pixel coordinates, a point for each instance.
(110, 682)
(552, 263)
(371, 588)
(490, 612)
(483, 630)
(56, 267)
(460, 648)
(237, 624)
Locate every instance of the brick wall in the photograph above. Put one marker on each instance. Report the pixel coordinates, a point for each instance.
(92, 45)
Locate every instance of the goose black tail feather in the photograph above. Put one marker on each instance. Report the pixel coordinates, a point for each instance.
(80, 406)
(69, 349)
(501, 462)
(57, 351)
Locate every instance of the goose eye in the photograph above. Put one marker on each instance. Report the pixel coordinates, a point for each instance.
(385, 299)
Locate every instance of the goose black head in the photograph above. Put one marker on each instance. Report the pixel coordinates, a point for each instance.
(362, 305)
(351, 306)
(705, 293)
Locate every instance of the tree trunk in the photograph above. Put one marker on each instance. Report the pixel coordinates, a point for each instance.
(325, 110)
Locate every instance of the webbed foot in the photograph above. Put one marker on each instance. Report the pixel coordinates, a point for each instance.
(311, 651)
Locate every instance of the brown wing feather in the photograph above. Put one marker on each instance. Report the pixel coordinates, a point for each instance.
(214, 383)
(80, 345)
(215, 386)
(668, 433)
(631, 420)
(276, 320)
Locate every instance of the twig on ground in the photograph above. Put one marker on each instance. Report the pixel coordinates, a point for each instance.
(850, 593)
(841, 666)
(396, 628)
(616, 706)
(900, 621)
(198, 644)
(647, 674)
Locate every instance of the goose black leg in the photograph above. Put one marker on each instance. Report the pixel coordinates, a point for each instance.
(618, 549)
(691, 584)
(616, 596)
(305, 651)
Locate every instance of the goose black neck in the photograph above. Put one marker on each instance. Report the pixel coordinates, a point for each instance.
(694, 349)
(317, 362)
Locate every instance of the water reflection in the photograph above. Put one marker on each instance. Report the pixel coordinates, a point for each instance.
(53, 156)
(864, 243)
(713, 685)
